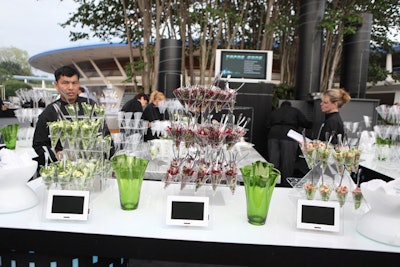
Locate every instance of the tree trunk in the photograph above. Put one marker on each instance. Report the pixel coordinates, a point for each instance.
(127, 24)
(267, 40)
(145, 10)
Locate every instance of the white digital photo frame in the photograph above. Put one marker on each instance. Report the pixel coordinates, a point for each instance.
(67, 205)
(187, 211)
(318, 215)
(244, 66)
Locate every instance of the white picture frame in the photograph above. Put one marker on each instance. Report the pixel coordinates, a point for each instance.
(187, 210)
(67, 205)
(318, 215)
(244, 55)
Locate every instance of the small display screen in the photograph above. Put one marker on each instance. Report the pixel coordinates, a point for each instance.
(318, 215)
(247, 65)
(68, 204)
(187, 210)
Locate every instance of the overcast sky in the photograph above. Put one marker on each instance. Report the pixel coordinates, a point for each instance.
(33, 25)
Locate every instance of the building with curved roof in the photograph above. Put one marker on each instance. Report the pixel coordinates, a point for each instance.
(98, 64)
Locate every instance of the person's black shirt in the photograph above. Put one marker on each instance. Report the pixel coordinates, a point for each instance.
(151, 113)
(333, 124)
(41, 136)
(284, 119)
(132, 105)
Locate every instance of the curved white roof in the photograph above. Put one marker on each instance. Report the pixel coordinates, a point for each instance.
(97, 64)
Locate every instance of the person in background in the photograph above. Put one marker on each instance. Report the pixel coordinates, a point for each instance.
(82, 92)
(3, 107)
(67, 85)
(282, 150)
(136, 104)
(331, 101)
(152, 113)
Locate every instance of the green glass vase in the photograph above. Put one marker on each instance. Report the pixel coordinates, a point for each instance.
(259, 181)
(10, 133)
(129, 171)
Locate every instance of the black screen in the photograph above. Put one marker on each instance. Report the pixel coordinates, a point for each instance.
(187, 210)
(68, 204)
(318, 215)
(246, 65)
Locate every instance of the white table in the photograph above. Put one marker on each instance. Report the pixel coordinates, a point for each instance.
(229, 238)
(387, 168)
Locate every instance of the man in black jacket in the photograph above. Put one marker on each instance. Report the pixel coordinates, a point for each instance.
(67, 85)
(282, 150)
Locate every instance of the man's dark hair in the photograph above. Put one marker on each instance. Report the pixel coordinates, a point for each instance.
(140, 95)
(286, 104)
(65, 71)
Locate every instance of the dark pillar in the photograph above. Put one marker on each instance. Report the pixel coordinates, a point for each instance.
(310, 47)
(355, 59)
(169, 70)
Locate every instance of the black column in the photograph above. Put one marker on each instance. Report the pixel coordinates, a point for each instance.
(169, 70)
(310, 47)
(355, 59)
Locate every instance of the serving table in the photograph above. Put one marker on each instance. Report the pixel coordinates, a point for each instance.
(389, 170)
(229, 239)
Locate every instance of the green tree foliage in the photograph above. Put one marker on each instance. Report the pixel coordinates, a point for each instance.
(343, 17)
(204, 26)
(13, 68)
(281, 91)
(4, 75)
(15, 61)
(13, 85)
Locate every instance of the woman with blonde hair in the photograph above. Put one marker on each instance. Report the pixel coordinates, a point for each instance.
(331, 101)
(152, 112)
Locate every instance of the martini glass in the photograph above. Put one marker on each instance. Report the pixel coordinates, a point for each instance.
(173, 172)
(231, 175)
(48, 175)
(356, 162)
(188, 136)
(73, 133)
(216, 175)
(203, 173)
(87, 132)
(88, 109)
(357, 197)
(72, 110)
(325, 189)
(175, 132)
(64, 173)
(341, 190)
(356, 193)
(310, 153)
(99, 111)
(55, 130)
(349, 160)
(221, 100)
(188, 173)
